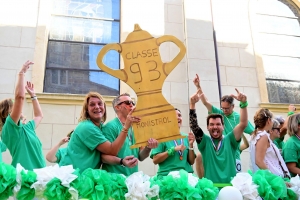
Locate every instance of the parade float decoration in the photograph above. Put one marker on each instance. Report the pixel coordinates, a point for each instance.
(64, 183)
(145, 73)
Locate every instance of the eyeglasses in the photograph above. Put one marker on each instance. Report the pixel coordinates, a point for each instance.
(222, 108)
(127, 102)
(278, 129)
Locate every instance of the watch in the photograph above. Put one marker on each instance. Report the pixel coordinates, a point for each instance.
(121, 162)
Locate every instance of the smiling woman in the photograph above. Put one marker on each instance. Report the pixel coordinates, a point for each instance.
(87, 141)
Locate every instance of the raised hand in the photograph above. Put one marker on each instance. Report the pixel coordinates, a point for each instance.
(64, 140)
(180, 147)
(196, 97)
(240, 96)
(30, 88)
(191, 138)
(292, 108)
(197, 81)
(131, 119)
(26, 66)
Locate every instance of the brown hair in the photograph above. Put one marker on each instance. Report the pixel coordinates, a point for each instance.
(84, 114)
(293, 123)
(260, 119)
(5, 107)
(214, 116)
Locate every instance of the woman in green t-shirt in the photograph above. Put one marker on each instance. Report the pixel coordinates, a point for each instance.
(88, 142)
(291, 149)
(20, 137)
(176, 154)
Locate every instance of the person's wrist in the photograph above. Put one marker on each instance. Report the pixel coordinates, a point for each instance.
(243, 104)
(121, 162)
(34, 97)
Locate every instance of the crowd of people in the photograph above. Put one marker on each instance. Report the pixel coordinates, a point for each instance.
(96, 144)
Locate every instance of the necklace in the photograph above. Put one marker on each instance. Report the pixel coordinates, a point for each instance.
(219, 145)
(297, 136)
(179, 152)
(129, 134)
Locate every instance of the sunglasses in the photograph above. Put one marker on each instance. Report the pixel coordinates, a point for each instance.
(278, 129)
(127, 102)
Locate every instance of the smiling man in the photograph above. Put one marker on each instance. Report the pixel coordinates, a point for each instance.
(230, 117)
(126, 162)
(218, 151)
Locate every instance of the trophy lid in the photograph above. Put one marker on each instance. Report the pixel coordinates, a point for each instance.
(137, 35)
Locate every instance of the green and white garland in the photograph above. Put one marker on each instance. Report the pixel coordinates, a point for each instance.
(63, 183)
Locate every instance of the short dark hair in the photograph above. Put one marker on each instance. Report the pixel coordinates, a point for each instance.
(177, 109)
(228, 99)
(214, 116)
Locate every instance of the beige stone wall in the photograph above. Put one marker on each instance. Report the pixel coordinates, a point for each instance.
(24, 33)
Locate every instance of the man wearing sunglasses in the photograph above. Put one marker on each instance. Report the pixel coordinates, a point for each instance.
(126, 162)
(231, 118)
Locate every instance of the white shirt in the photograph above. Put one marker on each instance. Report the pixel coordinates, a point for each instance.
(270, 159)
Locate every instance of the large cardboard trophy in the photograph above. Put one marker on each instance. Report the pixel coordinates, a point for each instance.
(145, 73)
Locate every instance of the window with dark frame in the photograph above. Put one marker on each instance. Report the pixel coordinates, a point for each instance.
(78, 31)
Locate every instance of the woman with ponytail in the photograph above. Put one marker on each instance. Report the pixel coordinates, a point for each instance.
(291, 149)
(263, 152)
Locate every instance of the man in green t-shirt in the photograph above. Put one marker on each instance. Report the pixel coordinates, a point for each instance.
(231, 118)
(218, 151)
(126, 161)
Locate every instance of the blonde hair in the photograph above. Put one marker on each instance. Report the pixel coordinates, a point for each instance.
(5, 107)
(260, 119)
(84, 115)
(293, 122)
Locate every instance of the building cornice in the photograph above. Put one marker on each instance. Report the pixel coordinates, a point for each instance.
(277, 107)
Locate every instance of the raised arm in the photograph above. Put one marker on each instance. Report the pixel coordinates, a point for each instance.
(51, 155)
(37, 111)
(20, 93)
(239, 129)
(193, 118)
(203, 98)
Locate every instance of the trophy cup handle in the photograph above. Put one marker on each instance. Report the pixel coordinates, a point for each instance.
(168, 67)
(116, 73)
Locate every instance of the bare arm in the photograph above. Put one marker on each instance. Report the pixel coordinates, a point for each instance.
(203, 98)
(293, 167)
(145, 151)
(20, 93)
(128, 161)
(260, 152)
(239, 129)
(112, 148)
(51, 155)
(245, 144)
(37, 111)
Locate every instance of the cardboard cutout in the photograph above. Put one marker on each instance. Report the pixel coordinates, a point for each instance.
(145, 73)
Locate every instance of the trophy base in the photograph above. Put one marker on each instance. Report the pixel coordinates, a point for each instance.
(160, 140)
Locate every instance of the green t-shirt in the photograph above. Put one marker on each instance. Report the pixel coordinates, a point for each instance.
(81, 149)
(230, 122)
(291, 152)
(219, 166)
(173, 163)
(112, 130)
(23, 144)
(60, 153)
(279, 142)
(2, 148)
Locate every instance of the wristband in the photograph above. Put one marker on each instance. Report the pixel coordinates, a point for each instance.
(191, 148)
(171, 151)
(121, 162)
(291, 113)
(243, 104)
(34, 98)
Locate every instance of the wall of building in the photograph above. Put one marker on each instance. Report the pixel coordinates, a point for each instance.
(23, 36)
